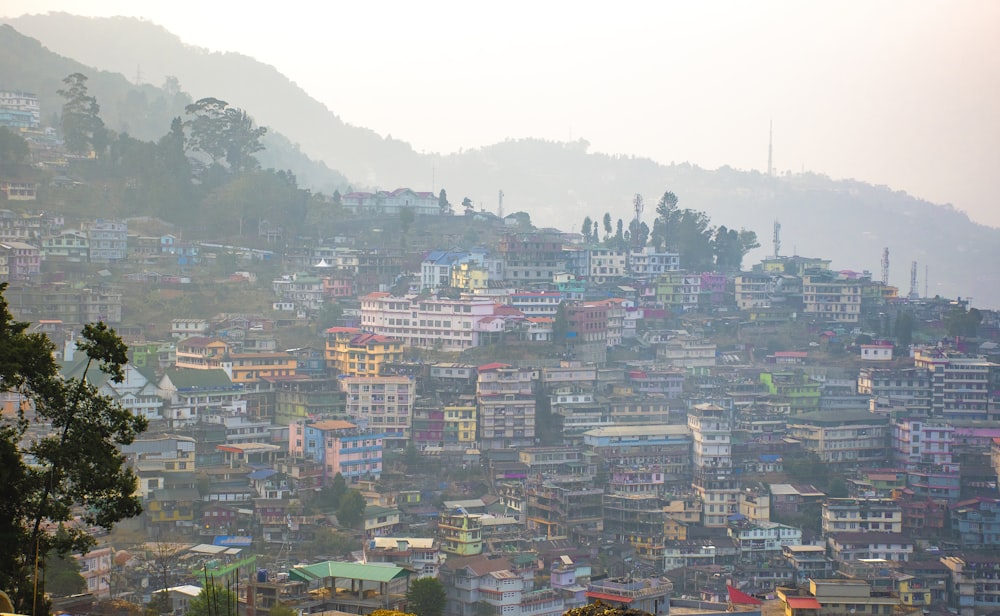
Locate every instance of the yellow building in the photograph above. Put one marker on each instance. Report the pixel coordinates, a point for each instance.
(353, 352)
(469, 277)
(461, 533)
(674, 530)
(460, 424)
(201, 353)
(251, 367)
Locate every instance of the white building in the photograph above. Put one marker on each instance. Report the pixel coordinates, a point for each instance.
(764, 539)
(383, 404)
(391, 203)
(432, 322)
(649, 263)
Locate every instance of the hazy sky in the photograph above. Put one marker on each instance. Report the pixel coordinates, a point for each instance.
(903, 93)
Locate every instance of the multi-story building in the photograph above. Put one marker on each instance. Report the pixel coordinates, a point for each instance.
(960, 384)
(353, 352)
(974, 586)
(607, 265)
(762, 540)
(711, 454)
(303, 397)
(976, 522)
(67, 246)
(382, 404)
(800, 391)
(152, 458)
(459, 427)
(754, 290)
(432, 322)
(535, 303)
(829, 597)
(843, 438)
(908, 388)
(678, 290)
(563, 506)
(461, 533)
(649, 595)
(855, 545)
(506, 406)
(476, 584)
(861, 515)
(637, 520)
(108, 240)
(531, 258)
(808, 562)
(686, 351)
(23, 261)
(190, 394)
(305, 291)
(923, 447)
(390, 203)
(831, 297)
(19, 110)
(649, 263)
(338, 447)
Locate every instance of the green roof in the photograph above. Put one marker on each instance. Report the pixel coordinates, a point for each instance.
(186, 378)
(351, 571)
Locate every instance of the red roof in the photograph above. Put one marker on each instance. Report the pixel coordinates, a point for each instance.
(607, 597)
(493, 366)
(741, 598)
(803, 603)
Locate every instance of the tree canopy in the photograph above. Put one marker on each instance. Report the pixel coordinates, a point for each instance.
(47, 480)
(82, 127)
(426, 597)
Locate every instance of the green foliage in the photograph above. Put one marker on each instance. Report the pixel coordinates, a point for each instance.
(62, 575)
(13, 147)
(213, 600)
(82, 127)
(467, 205)
(329, 542)
(443, 204)
(962, 322)
(586, 229)
(731, 246)
(351, 510)
(426, 597)
(77, 469)
(226, 134)
(903, 329)
(281, 610)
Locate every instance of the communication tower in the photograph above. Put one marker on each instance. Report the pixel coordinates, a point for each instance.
(777, 239)
(914, 294)
(500, 204)
(637, 204)
(885, 266)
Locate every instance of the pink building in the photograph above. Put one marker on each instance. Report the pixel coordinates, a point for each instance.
(714, 287)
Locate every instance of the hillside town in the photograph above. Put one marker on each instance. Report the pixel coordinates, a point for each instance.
(539, 419)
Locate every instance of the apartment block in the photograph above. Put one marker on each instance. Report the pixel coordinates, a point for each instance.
(506, 406)
(383, 404)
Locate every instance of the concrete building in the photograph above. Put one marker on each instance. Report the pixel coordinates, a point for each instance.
(383, 404)
(830, 297)
(961, 385)
(506, 406)
(108, 240)
(861, 515)
(713, 478)
(432, 322)
(351, 351)
(844, 438)
(338, 447)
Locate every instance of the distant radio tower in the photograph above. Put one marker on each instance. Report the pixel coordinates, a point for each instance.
(637, 204)
(770, 151)
(777, 239)
(885, 266)
(914, 294)
(500, 204)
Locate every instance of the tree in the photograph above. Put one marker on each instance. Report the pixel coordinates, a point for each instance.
(903, 329)
(467, 205)
(560, 325)
(607, 226)
(213, 600)
(406, 218)
(588, 224)
(443, 204)
(82, 127)
(226, 134)
(351, 510)
(281, 610)
(731, 246)
(13, 147)
(74, 472)
(62, 575)
(426, 597)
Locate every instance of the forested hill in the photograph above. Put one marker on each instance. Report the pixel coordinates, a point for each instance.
(143, 111)
(558, 184)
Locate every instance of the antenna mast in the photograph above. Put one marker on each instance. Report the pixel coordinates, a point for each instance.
(885, 266)
(637, 204)
(777, 239)
(914, 294)
(500, 204)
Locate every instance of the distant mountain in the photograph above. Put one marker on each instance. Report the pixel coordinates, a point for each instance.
(559, 184)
